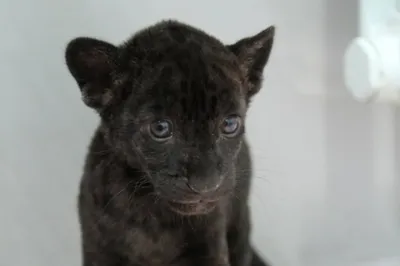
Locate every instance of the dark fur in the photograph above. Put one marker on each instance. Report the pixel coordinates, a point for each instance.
(169, 70)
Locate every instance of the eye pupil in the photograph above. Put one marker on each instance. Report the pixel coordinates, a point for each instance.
(161, 129)
(230, 125)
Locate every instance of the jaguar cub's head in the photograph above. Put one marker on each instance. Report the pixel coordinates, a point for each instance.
(173, 101)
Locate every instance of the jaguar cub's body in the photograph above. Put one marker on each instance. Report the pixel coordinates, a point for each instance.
(167, 175)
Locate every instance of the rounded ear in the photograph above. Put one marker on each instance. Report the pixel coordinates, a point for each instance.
(253, 54)
(91, 62)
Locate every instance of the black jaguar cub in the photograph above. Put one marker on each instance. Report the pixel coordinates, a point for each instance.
(167, 175)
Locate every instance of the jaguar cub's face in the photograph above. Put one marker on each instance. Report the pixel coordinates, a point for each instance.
(173, 101)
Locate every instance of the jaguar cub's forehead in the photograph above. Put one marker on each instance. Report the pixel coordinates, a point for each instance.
(177, 69)
(169, 64)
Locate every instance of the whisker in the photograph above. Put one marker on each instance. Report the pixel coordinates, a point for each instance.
(117, 194)
(262, 178)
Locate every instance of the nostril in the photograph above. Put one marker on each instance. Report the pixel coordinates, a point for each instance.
(193, 188)
(172, 174)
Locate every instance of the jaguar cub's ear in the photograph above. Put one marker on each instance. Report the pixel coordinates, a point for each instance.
(91, 62)
(253, 54)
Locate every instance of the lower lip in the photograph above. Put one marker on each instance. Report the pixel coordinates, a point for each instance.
(199, 208)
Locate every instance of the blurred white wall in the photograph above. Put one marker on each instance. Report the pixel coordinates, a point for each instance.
(326, 181)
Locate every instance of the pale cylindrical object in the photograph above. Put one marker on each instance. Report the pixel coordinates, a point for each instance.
(372, 60)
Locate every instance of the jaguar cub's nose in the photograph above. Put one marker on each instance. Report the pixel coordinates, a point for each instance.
(206, 185)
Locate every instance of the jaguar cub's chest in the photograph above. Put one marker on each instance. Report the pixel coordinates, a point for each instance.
(155, 248)
(179, 246)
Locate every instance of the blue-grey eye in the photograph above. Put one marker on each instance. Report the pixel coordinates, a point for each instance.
(231, 125)
(161, 129)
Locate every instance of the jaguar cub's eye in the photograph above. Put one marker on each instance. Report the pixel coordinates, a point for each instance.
(230, 125)
(161, 130)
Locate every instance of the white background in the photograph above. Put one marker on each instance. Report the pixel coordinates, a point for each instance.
(326, 190)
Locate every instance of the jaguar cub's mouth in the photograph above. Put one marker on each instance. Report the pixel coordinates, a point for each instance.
(195, 207)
